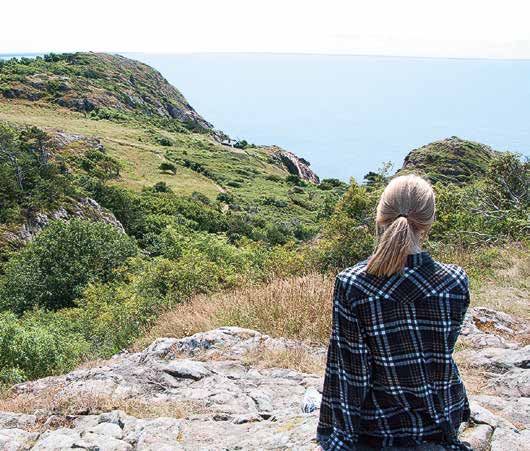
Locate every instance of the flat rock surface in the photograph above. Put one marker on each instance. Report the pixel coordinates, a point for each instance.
(203, 393)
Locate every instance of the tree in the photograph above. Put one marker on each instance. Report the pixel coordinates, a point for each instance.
(241, 144)
(375, 180)
(54, 268)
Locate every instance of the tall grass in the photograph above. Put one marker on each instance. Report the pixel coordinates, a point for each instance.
(297, 307)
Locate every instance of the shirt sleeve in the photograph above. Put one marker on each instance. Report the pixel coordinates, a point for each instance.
(347, 378)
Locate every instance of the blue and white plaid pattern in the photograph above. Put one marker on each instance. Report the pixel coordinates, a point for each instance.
(390, 378)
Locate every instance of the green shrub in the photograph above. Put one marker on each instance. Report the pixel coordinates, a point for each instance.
(295, 180)
(29, 178)
(36, 346)
(349, 235)
(54, 268)
(163, 141)
(329, 184)
(274, 178)
(225, 197)
(166, 166)
(242, 144)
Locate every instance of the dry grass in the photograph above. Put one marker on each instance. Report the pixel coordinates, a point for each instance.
(90, 404)
(298, 359)
(298, 308)
(499, 277)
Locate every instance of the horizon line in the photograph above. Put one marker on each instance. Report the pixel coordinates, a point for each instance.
(381, 55)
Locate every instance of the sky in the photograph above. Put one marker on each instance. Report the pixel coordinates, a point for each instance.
(448, 28)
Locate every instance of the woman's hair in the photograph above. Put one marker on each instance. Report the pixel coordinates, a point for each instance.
(405, 214)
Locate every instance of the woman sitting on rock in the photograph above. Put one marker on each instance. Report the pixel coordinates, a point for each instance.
(391, 382)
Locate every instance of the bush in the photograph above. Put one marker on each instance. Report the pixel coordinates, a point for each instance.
(161, 187)
(329, 184)
(29, 178)
(227, 198)
(488, 211)
(274, 178)
(295, 180)
(36, 346)
(163, 141)
(54, 268)
(349, 235)
(242, 144)
(166, 166)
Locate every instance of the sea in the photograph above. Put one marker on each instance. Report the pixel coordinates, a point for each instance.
(349, 115)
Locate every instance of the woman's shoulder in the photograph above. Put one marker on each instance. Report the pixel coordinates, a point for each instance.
(353, 272)
(351, 281)
(453, 275)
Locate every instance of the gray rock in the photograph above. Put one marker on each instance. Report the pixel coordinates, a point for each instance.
(514, 383)
(107, 429)
(16, 420)
(484, 327)
(92, 441)
(84, 208)
(507, 439)
(164, 432)
(480, 415)
(262, 399)
(227, 403)
(497, 359)
(16, 439)
(478, 437)
(515, 409)
(56, 440)
(117, 417)
(186, 369)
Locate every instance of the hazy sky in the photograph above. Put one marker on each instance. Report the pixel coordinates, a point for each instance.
(456, 28)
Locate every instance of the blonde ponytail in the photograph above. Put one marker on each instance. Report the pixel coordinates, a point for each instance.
(405, 214)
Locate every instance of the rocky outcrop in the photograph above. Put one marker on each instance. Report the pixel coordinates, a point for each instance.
(484, 327)
(62, 139)
(82, 208)
(226, 402)
(294, 164)
(203, 392)
(451, 160)
(96, 81)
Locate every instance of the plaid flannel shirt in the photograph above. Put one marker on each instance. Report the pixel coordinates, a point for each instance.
(390, 378)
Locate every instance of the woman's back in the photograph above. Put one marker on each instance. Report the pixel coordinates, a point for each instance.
(390, 378)
(392, 348)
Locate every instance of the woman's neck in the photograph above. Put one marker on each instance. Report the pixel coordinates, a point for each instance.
(415, 249)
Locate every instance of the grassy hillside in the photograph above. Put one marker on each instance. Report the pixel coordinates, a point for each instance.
(98, 83)
(143, 121)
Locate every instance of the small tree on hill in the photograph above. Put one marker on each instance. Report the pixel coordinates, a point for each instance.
(166, 166)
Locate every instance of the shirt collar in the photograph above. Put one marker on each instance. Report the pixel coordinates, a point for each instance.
(418, 259)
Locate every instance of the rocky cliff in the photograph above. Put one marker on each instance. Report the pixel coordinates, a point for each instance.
(213, 391)
(294, 164)
(91, 81)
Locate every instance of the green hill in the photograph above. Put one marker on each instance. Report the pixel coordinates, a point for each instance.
(149, 128)
(97, 82)
(451, 160)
